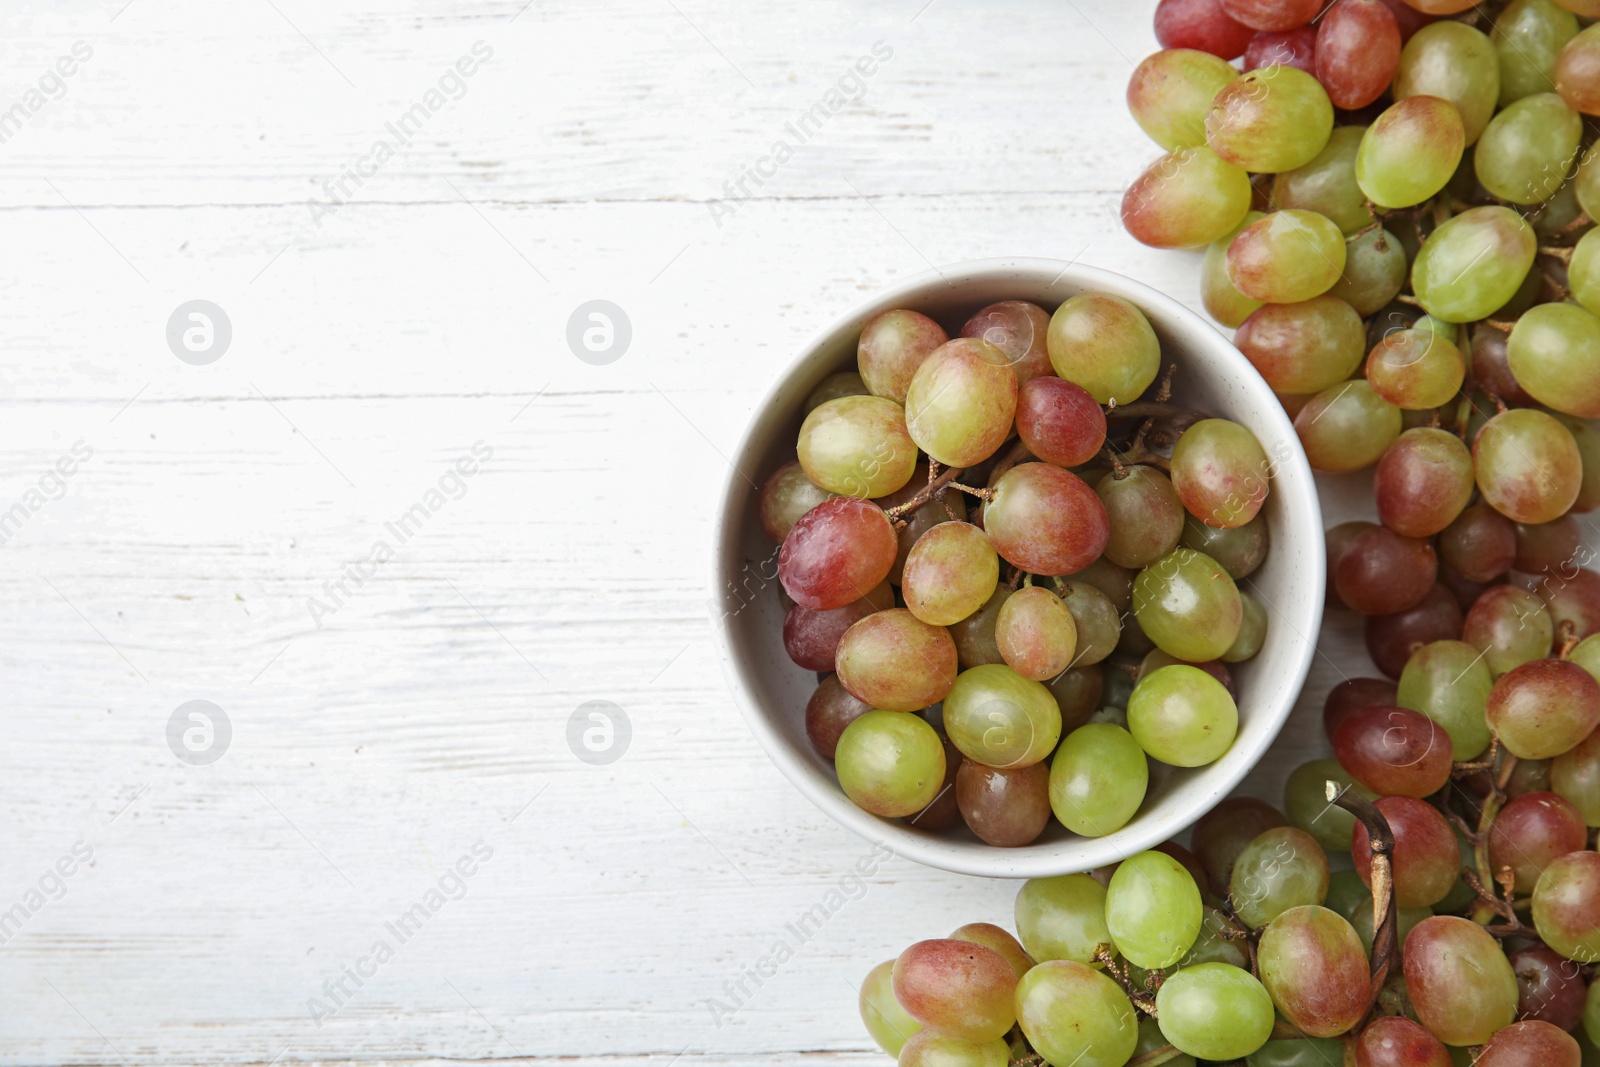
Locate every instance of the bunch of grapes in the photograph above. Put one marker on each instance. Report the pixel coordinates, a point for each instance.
(975, 529)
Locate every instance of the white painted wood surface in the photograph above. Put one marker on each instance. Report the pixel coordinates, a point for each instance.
(375, 747)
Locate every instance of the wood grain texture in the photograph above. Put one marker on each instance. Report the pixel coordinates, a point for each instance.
(372, 348)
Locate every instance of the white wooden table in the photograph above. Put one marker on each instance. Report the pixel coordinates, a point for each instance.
(406, 726)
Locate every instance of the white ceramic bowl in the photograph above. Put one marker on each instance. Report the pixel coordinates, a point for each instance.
(1212, 377)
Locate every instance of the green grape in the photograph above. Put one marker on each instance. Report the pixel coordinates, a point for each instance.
(998, 718)
(1528, 36)
(974, 636)
(1153, 909)
(1222, 301)
(950, 572)
(1528, 149)
(1374, 272)
(1036, 634)
(1098, 621)
(1074, 1015)
(1220, 473)
(1183, 717)
(929, 1049)
(1416, 369)
(1305, 801)
(889, 1024)
(1528, 466)
(1304, 347)
(1172, 90)
(1269, 120)
(1449, 683)
(1473, 263)
(1298, 1052)
(786, 496)
(1098, 779)
(1586, 435)
(1409, 153)
(834, 386)
(1151, 1038)
(1583, 270)
(1315, 969)
(1188, 605)
(1279, 869)
(1213, 1011)
(1575, 777)
(1456, 62)
(1106, 345)
(1405, 919)
(1554, 353)
(1063, 918)
(1185, 199)
(1558, 216)
(1587, 182)
(961, 401)
(1145, 514)
(1252, 631)
(1286, 257)
(1327, 184)
(1347, 427)
(890, 763)
(1239, 549)
(857, 446)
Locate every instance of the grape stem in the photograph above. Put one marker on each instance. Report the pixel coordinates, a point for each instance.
(1485, 877)
(1380, 843)
(1554, 252)
(1142, 999)
(934, 487)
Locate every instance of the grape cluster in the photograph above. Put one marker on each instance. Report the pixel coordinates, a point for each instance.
(1014, 562)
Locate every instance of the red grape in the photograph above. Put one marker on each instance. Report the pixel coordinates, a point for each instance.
(1566, 906)
(1393, 751)
(1426, 857)
(1395, 1041)
(1353, 694)
(837, 553)
(896, 662)
(1548, 546)
(1459, 982)
(787, 495)
(1059, 421)
(1272, 14)
(1532, 831)
(1423, 481)
(1392, 638)
(892, 347)
(1290, 48)
(1383, 572)
(1480, 545)
(957, 988)
(1358, 47)
(1200, 24)
(812, 637)
(1018, 329)
(1530, 1044)
(830, 709)
(1004, 807)
(1543, 708)
(1313, 965)
(1046, 520)
(1551, 987)
(1572, 597)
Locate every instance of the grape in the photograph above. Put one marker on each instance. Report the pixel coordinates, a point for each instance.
(857, 446)
(941, 813)
(1156, 659)
(1062, 918)
(1222, 300)
(1006, 808)
(1525, 1043)
(1510, 626)
(1298, 1052)
(1423, 481)
(1473, 263)
(975, 635)
(1572, 596)
(1153, 910)
(993, 937)
(1529, 776)
(1383, 572)
(1543, 708)
(1551, 987)
(1410, 151)
(1391, 639)
(1017, 328)
(1456, 62)
(1305, 347)
(1305, 799)
(1279, 869)
(1480, 544)
(1415, 369)
(1098, 779)
(1528, 149)
(1395, 1041)
(1200, 24)
(1532, 831)
(1059, 421)
(1045, 520)
(895, 661)
(812, 637)
(1575, 775)
(1554, 351)
(1287, 48)
(1411, 18)
(1460, 983)
(1528, 36)
(1566, 906)
(1272, 15)
(1528, 465)
(1144, 514)
(1577, 74)
(1286, 257)
(1353, 694)
(1327, 184)
(1394, 751)
(1072, 1014)
(1347, 427)
(949, 573)
(957, 989)
(1358, 48)
(1036, 634)
(1374, 271)
(892, 346)
(834, 386)
(1426, 857)
(1270, 120)
(1225, 831)
(1314, 968)
(928, 1049)
(1583, 271)
(1077, 692)
(836, 553)
(830, 709)
(1114, 581)
(1252, 631)
(949, 507)
(1188, 605)
(1106, 345)
(787, 495)
(1183, 717)
(1449, 683)
(1187, 198)
(1239, 549)
(961, 401)
(887, 1022)
(1171, 91)
(1096, 617)
(1214, 1011)
(1587, 436)
(890, 763)
(1001, 719)
(1491, 370)
(1220, 473)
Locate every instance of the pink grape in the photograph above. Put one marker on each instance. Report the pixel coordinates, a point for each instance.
(857, 446)
(1525, 1044)
(837, 553)
(1423, 481)
(896, 662)
(1046, 520)
(1144, 515)
(957, 989)
(1200, 24)
(1171, 91)
(1017, 328)
(949, 573)
(1393, 751)
(1426, 857)
(1358, 48)
(1220, 473)
(1287, 48)
(1059, 421)
(1459, 981)
(1543, 708)
(1036, 634)
(1273, 15)
(1395, 1041)
(1315, 969)
(1305, 347)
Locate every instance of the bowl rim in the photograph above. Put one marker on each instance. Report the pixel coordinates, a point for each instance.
(1076, 854)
